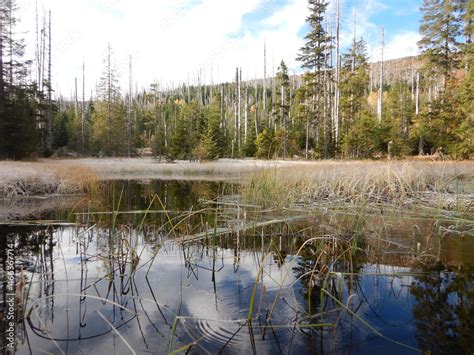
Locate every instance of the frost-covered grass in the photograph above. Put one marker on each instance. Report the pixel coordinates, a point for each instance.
(277, 183)
(24, 179)
(402, 182)
(148, 168)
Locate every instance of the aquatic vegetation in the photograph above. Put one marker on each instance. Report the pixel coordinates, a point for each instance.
(404, 183)
(170, 267)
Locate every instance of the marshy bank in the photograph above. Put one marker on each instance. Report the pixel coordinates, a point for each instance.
(448, 185)
(186, 266)
(281, 184)
(47, 178)
(173, 266)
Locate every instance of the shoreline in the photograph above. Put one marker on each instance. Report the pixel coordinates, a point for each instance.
(66, 177)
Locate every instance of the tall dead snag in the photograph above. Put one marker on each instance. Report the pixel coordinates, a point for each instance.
(256, 109)
(239, 109)
(223, 121)
(236, 113)
(246, 119)
(83, 108)
(417, 94)
(380, 98)
(338, 66)
(264, 109)
(129, 108)
(49, 111)
(2, 81)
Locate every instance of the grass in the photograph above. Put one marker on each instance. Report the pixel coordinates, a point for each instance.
(327, 258)
(148, 168)
(26, 179)
(442, 184)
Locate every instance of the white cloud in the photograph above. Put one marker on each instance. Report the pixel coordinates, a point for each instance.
(167, 39)
(174, 41)
(402, 45)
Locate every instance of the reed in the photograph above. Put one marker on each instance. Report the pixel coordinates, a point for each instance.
(398, 183)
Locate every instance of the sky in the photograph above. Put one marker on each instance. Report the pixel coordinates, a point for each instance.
(176, 41)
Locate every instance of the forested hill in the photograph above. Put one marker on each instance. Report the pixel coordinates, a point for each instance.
(344, 107)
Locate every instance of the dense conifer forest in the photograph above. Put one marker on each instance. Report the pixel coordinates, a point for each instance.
(342, 105)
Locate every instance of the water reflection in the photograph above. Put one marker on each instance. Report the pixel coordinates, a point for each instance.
(444, 310)
(121, 281)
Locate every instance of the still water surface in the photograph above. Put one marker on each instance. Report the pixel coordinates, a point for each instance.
(118, 283)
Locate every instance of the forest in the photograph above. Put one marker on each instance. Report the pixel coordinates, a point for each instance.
(341, 106)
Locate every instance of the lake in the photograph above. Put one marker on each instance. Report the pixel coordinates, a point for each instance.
(156, 266)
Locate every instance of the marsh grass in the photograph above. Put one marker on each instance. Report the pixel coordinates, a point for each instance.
(145, 168)
(325, 260)
(324, 247)
(26, 179)
(444, 185)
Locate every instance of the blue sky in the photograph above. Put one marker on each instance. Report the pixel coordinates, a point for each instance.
(174, 41)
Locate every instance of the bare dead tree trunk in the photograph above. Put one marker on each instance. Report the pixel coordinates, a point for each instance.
(223, 120)
(10, 40)
(236, 111)
(417, 94)
(246, 127)
(129, 111)
(283, 119)
(83, 113)
(256, 109)
(380, 98)
(274, 112)
(239, 110)
(264, 109)
(337, 92)
(2, 81)
(50, 83)
(371, 75)
(109, 96)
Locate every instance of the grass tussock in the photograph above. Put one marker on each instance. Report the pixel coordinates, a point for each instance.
(21, 179)
(147, 168)
(360, 182)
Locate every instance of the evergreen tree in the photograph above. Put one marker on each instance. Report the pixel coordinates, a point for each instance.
(397, 119)
(213, 142)
(190, 127)
(109, 124)
(440, 30)
(61, 133)
(18, 107)
(314, 56)
(464, 133)
(353, 85)
(283, 80)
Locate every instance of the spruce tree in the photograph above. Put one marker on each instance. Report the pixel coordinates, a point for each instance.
(314, 56)
(109, 124)
(464, 146)
(18, 107)
(354, 84)
(283, 105)
(440, 30)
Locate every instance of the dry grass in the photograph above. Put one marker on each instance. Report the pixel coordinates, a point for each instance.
(148, 168)
(22, 179)
(359, 182)
(275, 183)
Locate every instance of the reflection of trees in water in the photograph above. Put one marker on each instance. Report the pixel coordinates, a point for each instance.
(444, 312)
(317, 260)
(31, 242)
(176, 196)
